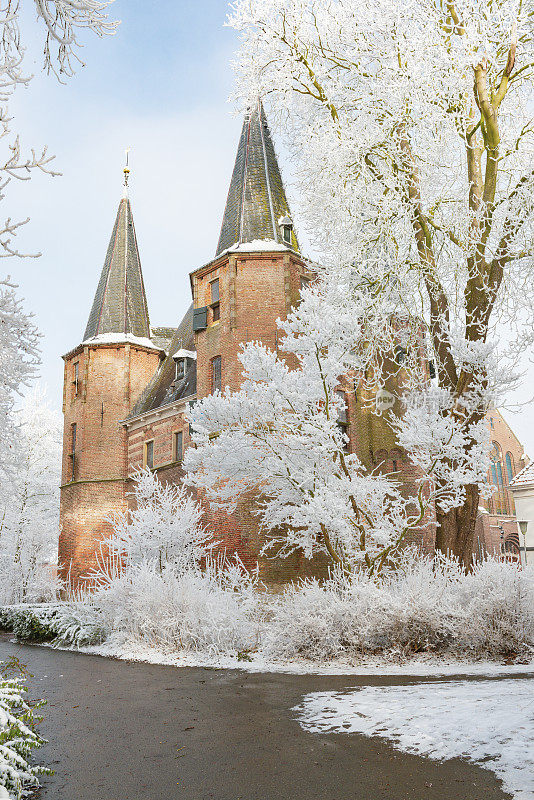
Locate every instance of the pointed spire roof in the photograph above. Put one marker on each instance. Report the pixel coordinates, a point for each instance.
(120, 302)
(256, 199)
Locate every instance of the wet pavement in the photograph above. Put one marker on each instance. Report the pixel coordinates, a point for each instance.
(119, 730)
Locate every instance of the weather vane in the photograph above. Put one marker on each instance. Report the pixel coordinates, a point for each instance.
(127, 168)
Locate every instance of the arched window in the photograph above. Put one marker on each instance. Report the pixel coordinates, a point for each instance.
(509, 466)
(496, 468)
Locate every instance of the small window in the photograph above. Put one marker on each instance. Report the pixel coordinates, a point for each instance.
(72, 453)
(492, 426)
(344, 431)
(395, 466)
(180, 369)
(200, 318)
(509, 466)
(191, 404)
(216, 369)
(215, 291)
(343, 421)
(215, 305)
(286, 233)
(400, 354)
(76, 377)
(178, 438)
(149, 454)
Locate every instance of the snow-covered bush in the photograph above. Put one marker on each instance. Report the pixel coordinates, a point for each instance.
(174, 612)
(426, 606)
(157, 585)
(500, 609)
(17, 740)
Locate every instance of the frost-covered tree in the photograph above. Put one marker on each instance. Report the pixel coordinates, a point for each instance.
(411, 125)
(279, 438)
(18, 359)
(29, 506)
(163, 530)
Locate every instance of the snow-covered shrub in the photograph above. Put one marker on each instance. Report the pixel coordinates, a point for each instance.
(34, 623)
(173, 611)
(157, 586)
(500, 609)
(17, 740)
(425, 606)
(79, 624)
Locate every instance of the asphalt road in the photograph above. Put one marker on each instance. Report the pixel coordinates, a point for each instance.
(129, 731)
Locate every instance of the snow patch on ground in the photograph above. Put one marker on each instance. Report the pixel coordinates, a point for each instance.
(488, 723)
(422, 668)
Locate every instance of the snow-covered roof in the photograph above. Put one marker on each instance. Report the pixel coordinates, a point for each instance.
(181, 353)
(257, 245)
(523, 478)
(121, 338)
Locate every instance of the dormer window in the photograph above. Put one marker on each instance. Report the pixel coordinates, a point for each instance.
(286, 226)
(183, 360)
(180, 369)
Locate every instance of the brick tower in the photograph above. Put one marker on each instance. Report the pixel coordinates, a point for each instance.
(103, 378)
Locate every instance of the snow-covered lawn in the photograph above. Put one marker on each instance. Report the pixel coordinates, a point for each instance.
(488, 722)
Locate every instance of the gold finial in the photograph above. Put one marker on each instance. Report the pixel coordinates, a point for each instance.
(127, 168)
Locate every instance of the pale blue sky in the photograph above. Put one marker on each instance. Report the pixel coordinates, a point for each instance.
(160, 86)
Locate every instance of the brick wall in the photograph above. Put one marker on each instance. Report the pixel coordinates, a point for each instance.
(94, 467)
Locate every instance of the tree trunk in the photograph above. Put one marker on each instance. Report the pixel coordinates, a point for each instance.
(455, 534)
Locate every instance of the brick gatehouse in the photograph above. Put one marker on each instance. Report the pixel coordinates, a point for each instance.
(128, 386)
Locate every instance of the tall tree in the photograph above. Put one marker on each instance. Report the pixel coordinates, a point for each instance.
(29, 505)
(411, 123)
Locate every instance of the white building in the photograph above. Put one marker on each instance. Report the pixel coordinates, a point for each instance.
(522, 488)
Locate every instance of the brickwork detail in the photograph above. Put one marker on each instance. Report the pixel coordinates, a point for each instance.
(94, 468)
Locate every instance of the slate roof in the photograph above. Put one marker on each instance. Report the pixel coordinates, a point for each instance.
(256, 201)
(256, 198)
(163, 389)
(162, 337)
(120, 302)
